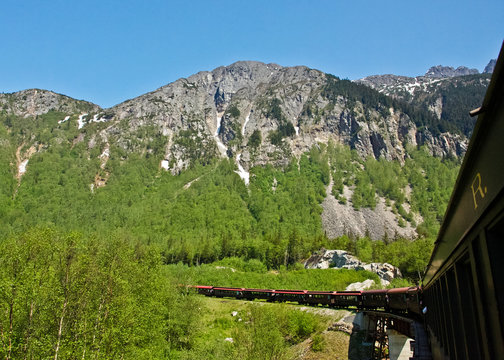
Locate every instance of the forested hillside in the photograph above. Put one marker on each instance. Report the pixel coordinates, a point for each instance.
(164, 166)
(249, 185)
(207, 212)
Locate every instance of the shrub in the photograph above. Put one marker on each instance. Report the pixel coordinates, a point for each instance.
(318, 343)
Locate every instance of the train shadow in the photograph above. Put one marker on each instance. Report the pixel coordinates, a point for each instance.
(361, 344)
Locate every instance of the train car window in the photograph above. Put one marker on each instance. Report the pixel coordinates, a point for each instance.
(456, 314)
(450, 348)
(481, 274)
(468, 308)
(442, 311)
(437, 310)
(434, 311)
(495, 244)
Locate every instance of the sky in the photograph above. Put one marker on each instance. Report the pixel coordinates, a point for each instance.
(108, 51)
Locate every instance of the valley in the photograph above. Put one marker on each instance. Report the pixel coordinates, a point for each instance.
(232, 177)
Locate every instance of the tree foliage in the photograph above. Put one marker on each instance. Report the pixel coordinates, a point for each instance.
(67, 296)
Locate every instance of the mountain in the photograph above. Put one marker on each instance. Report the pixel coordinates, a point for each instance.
(295, 108)
(490, 67)
(35, 102)
(247, 168)
(238, 160)
(447, 71)
(446, 93)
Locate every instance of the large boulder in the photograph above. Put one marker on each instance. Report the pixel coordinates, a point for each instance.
(341, 259)
(359, 286)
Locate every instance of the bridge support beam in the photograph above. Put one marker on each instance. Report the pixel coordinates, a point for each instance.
(381, 335)
(380, 339)
(374, 326)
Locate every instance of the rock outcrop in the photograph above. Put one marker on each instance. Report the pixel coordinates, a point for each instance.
(489, 69)
(342, 219)
(359, 286)
(341, 259)
(270, 98)
(35, 102)
(447, 71)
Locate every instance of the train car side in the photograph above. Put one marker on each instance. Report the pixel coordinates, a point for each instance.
(398, 299)
(375, 299)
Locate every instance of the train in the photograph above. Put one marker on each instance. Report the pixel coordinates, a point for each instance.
(405, 300)
(463, 287)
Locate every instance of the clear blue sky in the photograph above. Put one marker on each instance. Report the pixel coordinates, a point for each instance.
(109, 51)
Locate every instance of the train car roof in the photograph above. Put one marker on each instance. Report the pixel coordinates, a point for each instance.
(228, 288)
(348, 292)
(377, 291)
(481, 175)
(259, 290)
(295, 292)
(398, 290)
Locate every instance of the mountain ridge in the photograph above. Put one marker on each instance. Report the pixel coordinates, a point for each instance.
(292, 107)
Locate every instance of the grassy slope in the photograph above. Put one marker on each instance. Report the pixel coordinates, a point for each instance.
(217, 324)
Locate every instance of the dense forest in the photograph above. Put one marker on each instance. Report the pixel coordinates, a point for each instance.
(66, 296)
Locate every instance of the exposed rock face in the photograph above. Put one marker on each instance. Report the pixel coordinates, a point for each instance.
(193, 121)
(447, 71)
(341, 259)
(341, 219)
(215, 113)
(269, 96)
(359, 286)
(35, 102)
(449, 99)
(489, 69)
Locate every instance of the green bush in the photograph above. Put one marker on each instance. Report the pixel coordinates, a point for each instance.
(318, 343)
(255, 139)
(234, 111)
(301, 325)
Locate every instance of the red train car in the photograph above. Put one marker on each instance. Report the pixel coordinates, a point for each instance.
(398, 299)
(374, 299)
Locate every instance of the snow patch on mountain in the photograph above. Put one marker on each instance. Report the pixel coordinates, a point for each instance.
(96, 120)
(247, 119)
(22, 167)
(64, 120)
(393, 85)
(165, 164)
(81, 121)
(245, 175)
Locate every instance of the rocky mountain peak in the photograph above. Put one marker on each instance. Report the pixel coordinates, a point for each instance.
(440, 71)
(35, 102)
(490, 67)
